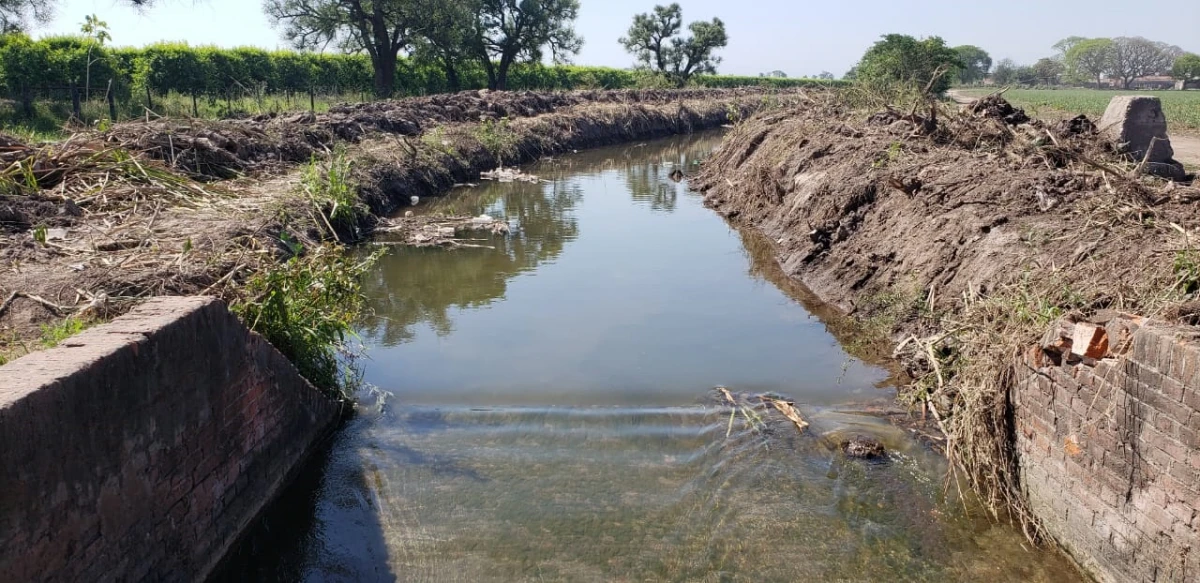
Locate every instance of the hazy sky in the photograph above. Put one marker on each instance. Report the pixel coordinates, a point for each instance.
(798, 37)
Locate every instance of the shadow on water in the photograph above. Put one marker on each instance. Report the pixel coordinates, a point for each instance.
(325, 526)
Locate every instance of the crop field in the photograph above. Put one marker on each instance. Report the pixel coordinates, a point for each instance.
(1182, 107)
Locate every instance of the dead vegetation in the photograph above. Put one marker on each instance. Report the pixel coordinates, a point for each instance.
(962, 235)
(181, 206)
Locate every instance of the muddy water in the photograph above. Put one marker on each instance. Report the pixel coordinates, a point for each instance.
(543, 412)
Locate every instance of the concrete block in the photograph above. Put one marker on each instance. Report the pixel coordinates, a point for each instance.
(1137, 124)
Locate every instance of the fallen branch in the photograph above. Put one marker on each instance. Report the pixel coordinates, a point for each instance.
(53, 307)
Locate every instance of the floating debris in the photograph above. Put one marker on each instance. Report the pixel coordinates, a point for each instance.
(503, 174)
(754, 407)
(440, 231)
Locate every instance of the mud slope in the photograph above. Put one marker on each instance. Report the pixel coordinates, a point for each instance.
(864, 208)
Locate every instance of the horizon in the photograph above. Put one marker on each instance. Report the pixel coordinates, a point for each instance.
(233, 23)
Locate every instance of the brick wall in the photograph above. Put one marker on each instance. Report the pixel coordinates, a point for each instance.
(140, 450)
(1107, 416)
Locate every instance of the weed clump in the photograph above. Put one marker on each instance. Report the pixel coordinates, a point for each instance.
(333, 193)
(306, 307)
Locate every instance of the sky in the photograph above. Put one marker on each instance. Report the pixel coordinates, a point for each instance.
(800, 38)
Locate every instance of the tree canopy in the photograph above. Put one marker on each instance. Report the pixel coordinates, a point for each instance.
(654, 39)
(1048, 71)
(1134, 57)
(1090, 59)
(496, 34)
(976, 63)
(512, 31)
(381, 28)
(904, 59)
(1187, 67)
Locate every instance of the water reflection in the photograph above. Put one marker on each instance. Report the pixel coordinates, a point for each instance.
(421, 286)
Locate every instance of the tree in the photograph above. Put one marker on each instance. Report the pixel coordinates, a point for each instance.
(779, 74)
(446, 34)
(653, 39)
(96, 31)
(381, 28)
(1005, 72)
(511, 31)
(826, 76)
(1186, 68)
(1134, 57)
(1090, 59)
(1048, 71)
(976, 63)
(903, 59)
(1065, 45)
(1026, 75)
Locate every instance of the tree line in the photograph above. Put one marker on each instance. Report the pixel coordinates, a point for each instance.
(32, 69)
(930, 65)
(1090, 61)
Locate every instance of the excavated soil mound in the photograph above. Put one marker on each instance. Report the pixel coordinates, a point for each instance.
(971, 206)
(224, 149)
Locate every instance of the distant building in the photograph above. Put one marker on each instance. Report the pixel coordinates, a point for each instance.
(1184, 85)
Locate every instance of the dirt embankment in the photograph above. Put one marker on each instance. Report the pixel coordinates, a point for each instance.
(865, 207)
(962, 236)
(173, 207)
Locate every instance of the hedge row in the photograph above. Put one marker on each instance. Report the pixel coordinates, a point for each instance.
(34, 68)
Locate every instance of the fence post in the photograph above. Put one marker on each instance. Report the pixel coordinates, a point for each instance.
(312, 99)
(76, 107)
(112, 102)
(149, 101)
(195, 106)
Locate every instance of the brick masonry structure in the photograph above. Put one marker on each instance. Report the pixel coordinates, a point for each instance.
(140, 450)
(1108, 435)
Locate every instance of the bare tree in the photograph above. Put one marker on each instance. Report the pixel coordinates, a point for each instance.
(1135, 57)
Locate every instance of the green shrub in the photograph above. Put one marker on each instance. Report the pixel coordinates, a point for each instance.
(306, 307)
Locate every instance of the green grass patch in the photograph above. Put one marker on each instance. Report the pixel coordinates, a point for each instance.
(307, 307)
(55, 334)
(1181, 107)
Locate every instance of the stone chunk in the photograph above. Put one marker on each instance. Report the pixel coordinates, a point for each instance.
(1137, 124)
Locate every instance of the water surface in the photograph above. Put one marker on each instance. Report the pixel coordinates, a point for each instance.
(544, 411)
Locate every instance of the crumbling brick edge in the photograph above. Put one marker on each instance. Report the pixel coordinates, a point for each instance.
(1107, 418)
